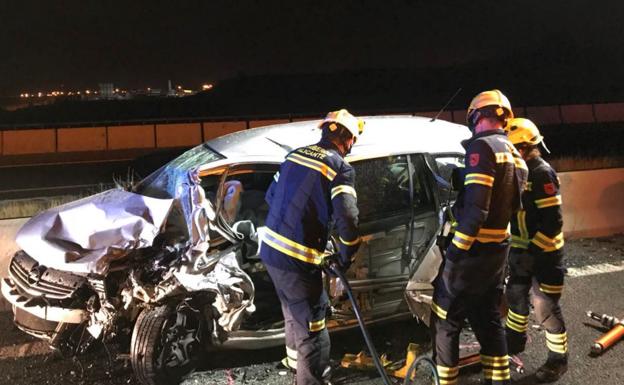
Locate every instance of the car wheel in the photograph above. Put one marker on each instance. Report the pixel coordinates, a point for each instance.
(166, 344)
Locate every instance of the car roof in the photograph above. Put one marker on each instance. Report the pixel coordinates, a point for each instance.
(383, 135)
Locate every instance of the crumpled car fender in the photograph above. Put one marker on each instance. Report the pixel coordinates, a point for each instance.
(85, 235)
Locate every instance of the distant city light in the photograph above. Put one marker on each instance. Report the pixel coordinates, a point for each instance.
(179, 90)
(206, 87)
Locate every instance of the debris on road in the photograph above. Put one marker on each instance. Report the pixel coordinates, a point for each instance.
(362, 361)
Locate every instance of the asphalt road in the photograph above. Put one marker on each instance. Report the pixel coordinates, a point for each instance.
(599, 287)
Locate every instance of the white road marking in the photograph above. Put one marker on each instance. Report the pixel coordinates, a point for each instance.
(601, 268)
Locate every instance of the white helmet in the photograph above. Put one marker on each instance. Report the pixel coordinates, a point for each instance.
(345, 119)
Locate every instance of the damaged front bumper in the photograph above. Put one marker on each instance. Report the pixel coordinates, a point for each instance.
(45, 312)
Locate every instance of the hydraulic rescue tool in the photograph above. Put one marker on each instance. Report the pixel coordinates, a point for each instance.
(332, 268)
(608, 339)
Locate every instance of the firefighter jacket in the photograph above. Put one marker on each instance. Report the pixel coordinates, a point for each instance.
(495, 176)
(537, 227)
(314, 188)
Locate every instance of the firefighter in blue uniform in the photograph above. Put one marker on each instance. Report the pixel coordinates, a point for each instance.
(469, 284)
(314, 188)
(536, 255)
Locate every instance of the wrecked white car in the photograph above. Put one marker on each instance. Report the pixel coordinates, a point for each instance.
(174, 262)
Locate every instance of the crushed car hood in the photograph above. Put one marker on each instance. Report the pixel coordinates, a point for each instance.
(85, 235)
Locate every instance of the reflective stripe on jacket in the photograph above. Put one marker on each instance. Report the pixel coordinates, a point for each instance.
(314, 190)
(539, 224)
(495, 175)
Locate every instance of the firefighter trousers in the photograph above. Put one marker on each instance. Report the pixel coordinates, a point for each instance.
(304, 305)
(543, 274)
(447, 320)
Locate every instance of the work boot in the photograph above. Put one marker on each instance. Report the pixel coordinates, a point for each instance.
(556, 365)
(283, 365)
(328, 375)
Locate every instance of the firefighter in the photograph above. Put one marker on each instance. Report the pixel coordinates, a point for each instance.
(536, 255)
(469, 283)
(314, 187)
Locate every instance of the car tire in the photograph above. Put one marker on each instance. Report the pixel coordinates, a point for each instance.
(148, 352)
(144, 344)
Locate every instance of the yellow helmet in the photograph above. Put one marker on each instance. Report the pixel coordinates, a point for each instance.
(492, 98)
(345, 119)
(520, 130)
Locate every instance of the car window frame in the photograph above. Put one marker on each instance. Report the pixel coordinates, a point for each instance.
(389, 221)
(445, 198)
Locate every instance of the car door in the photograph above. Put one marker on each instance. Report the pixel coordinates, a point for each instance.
(425, 203)
(383, 190)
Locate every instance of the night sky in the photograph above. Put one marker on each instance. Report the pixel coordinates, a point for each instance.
(67, 45)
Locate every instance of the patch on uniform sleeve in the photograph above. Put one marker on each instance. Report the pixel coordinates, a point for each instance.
(474, 160)
(550, 189)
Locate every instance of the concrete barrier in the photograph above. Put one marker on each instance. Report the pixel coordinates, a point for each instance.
(215, 129)
(269, 122)
(592, 202)
(178, 135)
(136, 136)
(81, 139)
(578, 113)
(609, 112)
(36, 141)
(544, 115)
(155, 134)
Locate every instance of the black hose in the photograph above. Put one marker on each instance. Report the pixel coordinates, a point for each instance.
(333, 269)
(429, 362)
(356, 309)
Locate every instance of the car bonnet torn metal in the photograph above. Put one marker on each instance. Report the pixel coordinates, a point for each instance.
(85, 235)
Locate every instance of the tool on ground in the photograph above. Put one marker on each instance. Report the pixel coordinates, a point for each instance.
(332, 268)
(611, 337)
(362, 361)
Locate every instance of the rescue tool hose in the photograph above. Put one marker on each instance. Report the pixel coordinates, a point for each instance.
(413, 368)
(333, 269)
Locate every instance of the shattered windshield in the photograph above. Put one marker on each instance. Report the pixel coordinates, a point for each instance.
(166, 182)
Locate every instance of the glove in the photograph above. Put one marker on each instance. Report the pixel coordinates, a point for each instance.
(452, 274)
(444, 241)
(334, 261)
